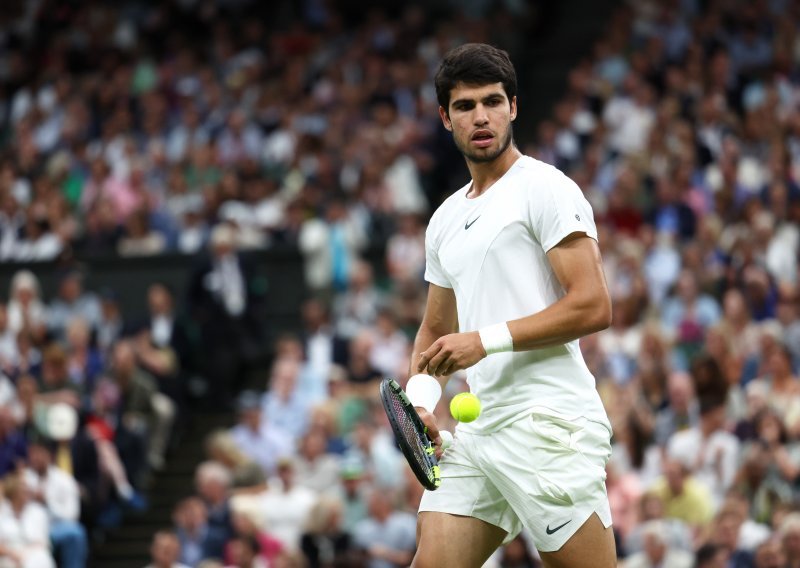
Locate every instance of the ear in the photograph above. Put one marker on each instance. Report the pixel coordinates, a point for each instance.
(445, 119)
(513, 108)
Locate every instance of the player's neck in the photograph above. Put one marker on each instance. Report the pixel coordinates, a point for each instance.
(485, 174)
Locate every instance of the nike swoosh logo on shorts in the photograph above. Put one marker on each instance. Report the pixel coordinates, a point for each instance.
(548, 530)
(468, 224)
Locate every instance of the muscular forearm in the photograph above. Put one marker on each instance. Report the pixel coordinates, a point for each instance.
(573, 316)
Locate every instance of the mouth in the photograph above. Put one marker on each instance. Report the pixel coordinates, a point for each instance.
(482, 138)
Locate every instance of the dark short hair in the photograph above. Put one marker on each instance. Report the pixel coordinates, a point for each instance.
(474, 64)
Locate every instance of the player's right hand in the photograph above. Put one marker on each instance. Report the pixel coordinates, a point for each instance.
(429, 420)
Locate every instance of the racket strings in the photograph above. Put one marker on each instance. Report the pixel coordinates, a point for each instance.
(410, 432)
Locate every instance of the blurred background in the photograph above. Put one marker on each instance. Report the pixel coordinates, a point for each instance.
(212, 219)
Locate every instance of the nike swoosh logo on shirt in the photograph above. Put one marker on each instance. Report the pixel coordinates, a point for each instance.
(468, 224)
(548, 530)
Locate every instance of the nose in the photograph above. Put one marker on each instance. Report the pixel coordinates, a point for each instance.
(481, 116)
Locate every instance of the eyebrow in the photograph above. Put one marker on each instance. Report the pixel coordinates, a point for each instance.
(494, 95)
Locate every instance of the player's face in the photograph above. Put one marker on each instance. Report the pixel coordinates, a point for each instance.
(480, 119)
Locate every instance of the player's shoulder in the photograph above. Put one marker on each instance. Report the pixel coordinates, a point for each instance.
(537, 175)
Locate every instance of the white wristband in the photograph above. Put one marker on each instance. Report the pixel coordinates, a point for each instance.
(423, 390)
(496, 338)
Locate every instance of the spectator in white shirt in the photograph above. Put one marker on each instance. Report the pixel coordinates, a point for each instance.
(713, 451)
(58, 492)
(24, 540)
(286, 506)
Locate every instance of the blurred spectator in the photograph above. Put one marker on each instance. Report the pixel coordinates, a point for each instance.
(330, 245)
(224, 304)
(245, 527)
(286, 407)
(213, 482)
(357, 307)
(789, 534)
(13, 443)
(657, 551)
(72, 302)
(264, 444)
(58, 492)
(145, 412)
(110, 326)
(287, 506)
(315, 467)
(712, 451)
(387, 536)
(26, 311)
(682, 412)
(324, 542)
(165, 551)
(24, 527)
(198, 540)
(684, 497)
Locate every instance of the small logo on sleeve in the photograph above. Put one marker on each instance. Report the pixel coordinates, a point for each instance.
(577, 217)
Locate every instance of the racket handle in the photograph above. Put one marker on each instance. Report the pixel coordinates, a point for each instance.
(447, 439)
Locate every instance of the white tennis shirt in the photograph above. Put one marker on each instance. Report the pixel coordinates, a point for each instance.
(491, 250)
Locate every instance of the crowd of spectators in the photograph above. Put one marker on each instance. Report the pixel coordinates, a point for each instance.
(682, 127)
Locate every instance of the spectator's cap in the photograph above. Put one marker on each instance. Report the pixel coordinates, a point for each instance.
(684, 450)
(248, 400)
(61, 422)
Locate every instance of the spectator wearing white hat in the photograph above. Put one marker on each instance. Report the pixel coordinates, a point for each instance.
(657, 553)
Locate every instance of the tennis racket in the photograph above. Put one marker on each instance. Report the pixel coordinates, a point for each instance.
(410, 434)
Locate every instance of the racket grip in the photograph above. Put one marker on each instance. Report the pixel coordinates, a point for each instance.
(447, 439)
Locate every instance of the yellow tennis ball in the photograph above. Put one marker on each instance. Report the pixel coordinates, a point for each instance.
(465, 407)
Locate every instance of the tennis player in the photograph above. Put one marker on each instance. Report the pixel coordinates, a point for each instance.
(515, 279)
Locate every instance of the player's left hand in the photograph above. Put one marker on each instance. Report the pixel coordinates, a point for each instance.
(451, 353)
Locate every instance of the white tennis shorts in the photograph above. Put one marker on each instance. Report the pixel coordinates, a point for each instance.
(540, 472)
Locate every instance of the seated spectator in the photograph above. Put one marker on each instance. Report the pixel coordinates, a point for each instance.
(24, 528)
(212, 482)
(286, 407)
(657, 553)
(390, 347)
(114, 445)
(198, 541)
(13, 444)
(246, 475)
(684, 497)
(387, 537)
(325, 542)
(287, 506)
(314, 466)
(84, 361)
(711, 556)
(682, 412)
(260, 442)
(144, 410)
(246, 527)
(139, 239)
(789, 534)
(246, 553)
(713, 451)
(72, 301)
(59, 493)
(55, 382)
(165, 551)
(26, 311)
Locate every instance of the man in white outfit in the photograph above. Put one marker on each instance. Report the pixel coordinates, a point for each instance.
(515, 279)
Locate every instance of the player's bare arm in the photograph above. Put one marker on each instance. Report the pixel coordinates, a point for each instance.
(440, 319)
(584, 309)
